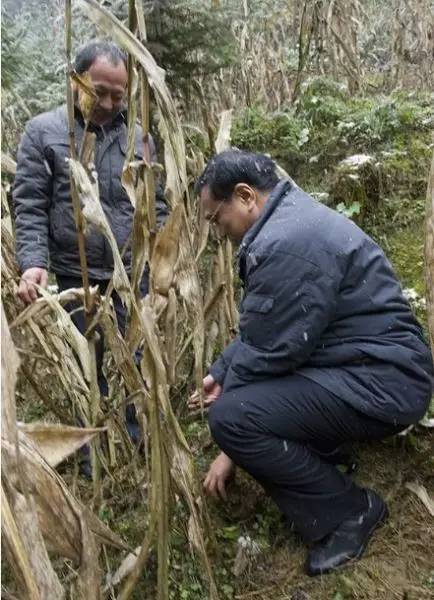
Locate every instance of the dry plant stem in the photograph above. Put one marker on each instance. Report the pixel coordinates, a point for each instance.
(148, 179)
(132, 86)
(87, 150)
(141, 27)
(145, 206)
(130, 583)
(159, 509)
(166, 439)
(74, 195)
(170, 336)
(233, 311)
(303, 51)
(5, 594)
(95, 408)
(429, 254)
(160, 491)
(211, 303)
(24, 573)
(106, 298)
(223, 310)
(79, 221)
(21, 529)
(87, 146)
(144, 197)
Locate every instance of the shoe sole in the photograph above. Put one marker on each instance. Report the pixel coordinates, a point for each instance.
(378, 523)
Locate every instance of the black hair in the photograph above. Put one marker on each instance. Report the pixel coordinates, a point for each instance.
(230, 167)
(88, 54)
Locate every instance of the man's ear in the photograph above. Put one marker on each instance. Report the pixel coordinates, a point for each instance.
(246, 194)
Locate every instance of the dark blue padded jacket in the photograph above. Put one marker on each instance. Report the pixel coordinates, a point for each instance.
(45, 225)
(321, 299)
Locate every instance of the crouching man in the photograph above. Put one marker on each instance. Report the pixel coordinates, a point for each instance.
(328, 352)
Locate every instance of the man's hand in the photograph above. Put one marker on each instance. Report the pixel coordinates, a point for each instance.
(219, 472)
(32, 277)
(211, 391)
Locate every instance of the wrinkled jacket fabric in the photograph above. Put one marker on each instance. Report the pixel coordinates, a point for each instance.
(321, 299)
(45, 226)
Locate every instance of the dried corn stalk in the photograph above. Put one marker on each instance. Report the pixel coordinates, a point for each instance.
(172, 268)
(170, 319)
(429, 254)
(39, 511)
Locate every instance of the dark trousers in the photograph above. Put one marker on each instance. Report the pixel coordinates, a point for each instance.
(279, 430)
(78, 317)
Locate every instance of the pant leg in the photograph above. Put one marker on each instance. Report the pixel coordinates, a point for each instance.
(78, 317)
(268, 428)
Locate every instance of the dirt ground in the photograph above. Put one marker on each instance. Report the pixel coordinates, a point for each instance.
(399, 562)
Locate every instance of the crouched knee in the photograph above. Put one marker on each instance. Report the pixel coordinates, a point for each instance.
(223, 417)
(216, 418)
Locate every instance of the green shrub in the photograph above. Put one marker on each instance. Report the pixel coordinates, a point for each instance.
(327, 125)
(281, 134)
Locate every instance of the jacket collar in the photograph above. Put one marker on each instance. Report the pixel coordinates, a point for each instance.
(118, 120)
(280, 190)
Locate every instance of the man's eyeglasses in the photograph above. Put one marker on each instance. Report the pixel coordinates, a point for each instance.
(212, 219)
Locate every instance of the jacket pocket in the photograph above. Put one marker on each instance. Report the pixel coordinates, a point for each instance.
(258, 303)
(57, 151)
(256, 320)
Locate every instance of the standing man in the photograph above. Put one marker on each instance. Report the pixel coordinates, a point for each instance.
(328, 352)
(46, 233)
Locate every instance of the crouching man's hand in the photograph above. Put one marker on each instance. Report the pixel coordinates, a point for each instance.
(211, 391)
(220, 471)
(29, 281)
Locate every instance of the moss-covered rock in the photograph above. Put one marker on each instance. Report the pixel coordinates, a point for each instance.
(356, 185)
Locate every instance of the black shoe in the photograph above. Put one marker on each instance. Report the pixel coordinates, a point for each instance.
(85, 464)
(133, 426)
(134, 433)
(349, 540)
(85, 468)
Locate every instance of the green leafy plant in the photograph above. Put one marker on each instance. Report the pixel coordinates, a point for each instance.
(349, 211)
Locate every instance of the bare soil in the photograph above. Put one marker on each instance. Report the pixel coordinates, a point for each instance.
(399, 562)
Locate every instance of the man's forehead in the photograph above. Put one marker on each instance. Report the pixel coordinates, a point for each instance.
(102, 69)
(207, 199)
(205, 194)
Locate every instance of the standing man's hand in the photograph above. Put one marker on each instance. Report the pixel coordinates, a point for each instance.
(221, 469)
(31, 278)
(211, 391)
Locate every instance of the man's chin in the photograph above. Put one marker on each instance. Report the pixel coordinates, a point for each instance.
(234, 239)
(103, 120)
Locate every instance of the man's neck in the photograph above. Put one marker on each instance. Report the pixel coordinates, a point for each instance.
(262, 200)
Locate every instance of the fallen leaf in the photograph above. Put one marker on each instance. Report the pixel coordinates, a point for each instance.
(423, 496)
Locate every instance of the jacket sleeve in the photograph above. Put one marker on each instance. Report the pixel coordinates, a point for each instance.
(287, 305)
(32, 197)
(220, 367)
(161, 207)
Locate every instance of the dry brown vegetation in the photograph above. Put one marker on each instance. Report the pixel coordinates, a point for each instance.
(54, 354)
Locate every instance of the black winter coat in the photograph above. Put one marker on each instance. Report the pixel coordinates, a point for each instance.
(45, 225)
(321, 298)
